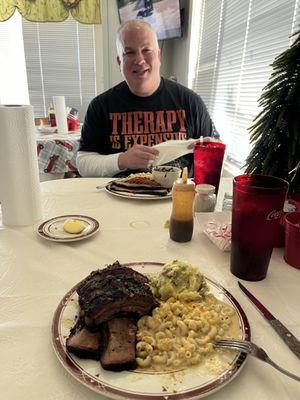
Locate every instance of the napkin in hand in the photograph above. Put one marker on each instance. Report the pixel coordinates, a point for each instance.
(172, 149)
(219, 234)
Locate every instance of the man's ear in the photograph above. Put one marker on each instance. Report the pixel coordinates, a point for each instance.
(118, 60)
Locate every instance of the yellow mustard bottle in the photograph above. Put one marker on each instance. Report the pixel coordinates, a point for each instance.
(182, 221)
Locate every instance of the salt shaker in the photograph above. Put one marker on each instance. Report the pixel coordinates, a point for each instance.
(205, 199)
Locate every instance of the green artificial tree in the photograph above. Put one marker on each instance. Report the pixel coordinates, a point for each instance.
(275, 133)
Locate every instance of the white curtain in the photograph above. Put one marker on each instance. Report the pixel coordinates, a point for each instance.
(13, 78)
(237, 40)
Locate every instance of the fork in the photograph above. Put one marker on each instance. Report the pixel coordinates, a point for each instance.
(252, 349)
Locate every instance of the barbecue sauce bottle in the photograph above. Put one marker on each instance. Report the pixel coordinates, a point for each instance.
(182, 222)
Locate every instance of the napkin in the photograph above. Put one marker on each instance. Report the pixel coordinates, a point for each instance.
(172, 149)
(219, 234)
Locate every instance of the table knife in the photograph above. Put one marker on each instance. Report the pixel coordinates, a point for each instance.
(292, 342)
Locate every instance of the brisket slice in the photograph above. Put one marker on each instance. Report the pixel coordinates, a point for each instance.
(114, 290)
(117, 346)
(82, 342)
(140, 185)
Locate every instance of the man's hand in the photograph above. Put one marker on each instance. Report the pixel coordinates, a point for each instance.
(138, 156)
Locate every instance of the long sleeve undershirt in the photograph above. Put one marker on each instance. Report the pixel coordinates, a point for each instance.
(95, 164)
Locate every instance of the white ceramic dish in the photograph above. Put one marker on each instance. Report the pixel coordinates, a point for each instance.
(166, 175)
(52, 229)
(190, 383)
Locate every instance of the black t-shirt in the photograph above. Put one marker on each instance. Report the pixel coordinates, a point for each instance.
(118, 119)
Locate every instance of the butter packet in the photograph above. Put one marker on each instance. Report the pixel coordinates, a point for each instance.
(219, 234)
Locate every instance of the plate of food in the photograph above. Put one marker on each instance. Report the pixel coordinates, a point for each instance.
(147, 331)
(68, 228)
(140, 186)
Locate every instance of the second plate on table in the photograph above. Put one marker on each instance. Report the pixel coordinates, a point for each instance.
(52, 229)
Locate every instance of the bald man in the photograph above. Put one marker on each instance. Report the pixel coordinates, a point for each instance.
(122, 124)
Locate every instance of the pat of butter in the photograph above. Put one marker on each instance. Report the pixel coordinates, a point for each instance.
(73, 226)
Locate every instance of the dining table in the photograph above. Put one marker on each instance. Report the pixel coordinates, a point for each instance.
(36, 274)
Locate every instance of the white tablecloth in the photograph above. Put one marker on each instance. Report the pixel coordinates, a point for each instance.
(35, 274)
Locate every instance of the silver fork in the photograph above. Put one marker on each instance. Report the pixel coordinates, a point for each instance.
(252, 349)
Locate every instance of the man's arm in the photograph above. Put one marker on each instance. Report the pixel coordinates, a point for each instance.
(95, 164)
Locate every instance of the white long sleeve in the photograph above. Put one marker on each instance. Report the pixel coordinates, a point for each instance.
(95, 164)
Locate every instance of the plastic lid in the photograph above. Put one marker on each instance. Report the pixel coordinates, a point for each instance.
(204, 188)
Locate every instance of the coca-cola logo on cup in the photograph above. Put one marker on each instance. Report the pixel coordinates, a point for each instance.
(274, 214)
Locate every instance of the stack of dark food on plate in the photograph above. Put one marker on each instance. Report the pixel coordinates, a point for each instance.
(111, 300)
(139, 185)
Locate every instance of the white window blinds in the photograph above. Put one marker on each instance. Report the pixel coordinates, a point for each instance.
(60, 60)
(237, 42)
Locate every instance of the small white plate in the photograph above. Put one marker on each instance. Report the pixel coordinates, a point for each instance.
(52, 229)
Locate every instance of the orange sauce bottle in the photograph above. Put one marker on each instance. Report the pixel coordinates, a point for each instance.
(182, 221)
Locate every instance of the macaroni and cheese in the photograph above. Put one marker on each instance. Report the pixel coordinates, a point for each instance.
(181, 331)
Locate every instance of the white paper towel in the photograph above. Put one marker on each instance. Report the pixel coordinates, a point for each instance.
(60, 114)
(19, 175)
(172, 149)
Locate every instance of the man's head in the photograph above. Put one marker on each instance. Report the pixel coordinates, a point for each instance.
(139, 57)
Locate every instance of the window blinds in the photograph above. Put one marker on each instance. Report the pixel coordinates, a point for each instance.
(60, 60)
(237, 42)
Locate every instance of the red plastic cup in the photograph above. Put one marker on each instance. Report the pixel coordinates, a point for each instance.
(292, 239)
(257, 208)
(208, 161)
(72, 125)
(289, 206)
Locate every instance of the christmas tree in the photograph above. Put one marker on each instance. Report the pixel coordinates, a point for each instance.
(275, 133)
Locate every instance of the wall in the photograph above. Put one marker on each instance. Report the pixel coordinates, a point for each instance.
(175, 52)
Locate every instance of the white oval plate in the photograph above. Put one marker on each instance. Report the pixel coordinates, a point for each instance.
(52, 229)
(190, 383)
(136, 196)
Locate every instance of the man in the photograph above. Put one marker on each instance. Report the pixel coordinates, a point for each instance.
(122, 124)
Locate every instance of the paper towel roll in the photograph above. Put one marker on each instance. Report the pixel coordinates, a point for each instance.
(19, 175)
(60, 114)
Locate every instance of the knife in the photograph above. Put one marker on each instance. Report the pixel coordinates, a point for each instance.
(281, 330)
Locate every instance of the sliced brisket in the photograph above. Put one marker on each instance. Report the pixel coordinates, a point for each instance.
(141, 185)
(118, 337)
(82, 342)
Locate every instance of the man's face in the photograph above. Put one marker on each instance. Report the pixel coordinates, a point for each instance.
(140, 60)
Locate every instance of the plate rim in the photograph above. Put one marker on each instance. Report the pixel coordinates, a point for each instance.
(102, 387)
(135, 196)
(41, 233)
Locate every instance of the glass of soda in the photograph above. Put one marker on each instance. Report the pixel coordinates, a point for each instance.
(292, 239)
(208, 161)
(258, 202)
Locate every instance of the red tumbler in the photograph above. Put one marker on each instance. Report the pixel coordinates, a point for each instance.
(292, 239)
(257, 207)
(208, 161)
